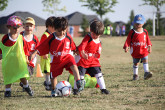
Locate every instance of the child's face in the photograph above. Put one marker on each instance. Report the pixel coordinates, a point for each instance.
(51, 29)
(60, 32)
(29, 27)
(138, 25)
(14, 30)
(94, 36)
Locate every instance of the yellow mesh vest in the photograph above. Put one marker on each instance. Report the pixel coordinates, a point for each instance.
(45, 63)
(14, 64)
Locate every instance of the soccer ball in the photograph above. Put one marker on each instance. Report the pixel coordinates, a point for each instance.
(63, 88)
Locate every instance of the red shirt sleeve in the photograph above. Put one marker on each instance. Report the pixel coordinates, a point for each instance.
(128, 40)
(83, 44)
(44, 47)
(43, 38)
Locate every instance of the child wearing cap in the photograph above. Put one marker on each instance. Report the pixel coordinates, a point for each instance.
(140, 46)
(45, 59)
(31, 41)
(14, 64)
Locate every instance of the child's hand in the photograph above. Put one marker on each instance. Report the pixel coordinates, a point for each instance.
(84, 55)
(45, 56)
(149, 49)
(27, 60)
(33, 55)
(126, 49)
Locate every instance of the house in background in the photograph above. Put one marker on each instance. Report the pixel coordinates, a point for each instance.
(39, 28)
(75, 20)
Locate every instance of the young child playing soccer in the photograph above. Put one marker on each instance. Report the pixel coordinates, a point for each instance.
(140, 46)
(14, 64)
(90, 50)
(59, 46)
(45, 59)
(31, 41)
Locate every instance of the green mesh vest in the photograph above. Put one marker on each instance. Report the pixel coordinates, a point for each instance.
(14, 64)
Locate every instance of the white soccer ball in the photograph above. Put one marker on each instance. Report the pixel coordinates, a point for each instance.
(63, 88)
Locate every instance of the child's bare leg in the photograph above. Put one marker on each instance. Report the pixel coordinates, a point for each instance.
(75, 72)
(24, 81)
(54, 82)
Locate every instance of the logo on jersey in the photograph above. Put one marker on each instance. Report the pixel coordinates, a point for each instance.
(32, 46)
(67, 45)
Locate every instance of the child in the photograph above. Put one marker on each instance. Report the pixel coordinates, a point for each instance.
(31, 41)
(90, 50)
(140, 46)
(45, 59)
(14, 65)
(59, 46)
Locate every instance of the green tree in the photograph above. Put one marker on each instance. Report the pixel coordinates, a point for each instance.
(51, 6)
(130, 22)
(3, 4)
(148, 26)
(84, 26)
(157, 4)
(101, 7)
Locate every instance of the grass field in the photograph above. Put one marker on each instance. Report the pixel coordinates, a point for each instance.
(125, 94)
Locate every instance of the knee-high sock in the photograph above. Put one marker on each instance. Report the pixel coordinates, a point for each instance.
(146, 67)
(100, 80)
(135, 70)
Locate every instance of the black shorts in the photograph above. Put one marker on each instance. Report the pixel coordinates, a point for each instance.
(91, 71)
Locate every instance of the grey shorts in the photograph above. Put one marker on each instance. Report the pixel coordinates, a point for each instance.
(91, 71)
(136, 60)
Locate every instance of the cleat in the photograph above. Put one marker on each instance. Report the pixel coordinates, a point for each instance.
(104, 91)
(147, 75)
(75, 91)
(7, 93)
(135, 77)
(29, 91)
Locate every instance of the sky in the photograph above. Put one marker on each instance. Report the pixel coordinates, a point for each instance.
(122, 9)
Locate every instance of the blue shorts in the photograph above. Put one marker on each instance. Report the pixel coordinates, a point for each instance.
(136, 60)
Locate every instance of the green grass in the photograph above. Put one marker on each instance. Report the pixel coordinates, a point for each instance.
(125, 94)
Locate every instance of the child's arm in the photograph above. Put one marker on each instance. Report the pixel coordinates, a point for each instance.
(84, 54)
(126, 49)
(33, 55)
(149, 49)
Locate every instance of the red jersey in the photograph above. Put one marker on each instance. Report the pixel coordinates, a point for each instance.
(59, 49)
(93, 50)
(138, 43)
(45, 36)
(31, 47)
(8, 41)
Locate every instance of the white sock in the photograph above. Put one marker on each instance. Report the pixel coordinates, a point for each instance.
(135, 70)
(47, 78)
(81, 77)
(146, 67)
(100, 80)
(7, 89)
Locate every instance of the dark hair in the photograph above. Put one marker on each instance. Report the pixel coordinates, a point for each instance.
(97, 27)
(60, 23)
(50, 21)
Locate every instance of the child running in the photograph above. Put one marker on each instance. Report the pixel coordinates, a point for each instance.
(45, 59)
(14, 62)
(140, 46)
(90, 51)
(59, 46)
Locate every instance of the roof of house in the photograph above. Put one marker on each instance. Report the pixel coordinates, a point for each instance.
(76, 18)
(38, 21)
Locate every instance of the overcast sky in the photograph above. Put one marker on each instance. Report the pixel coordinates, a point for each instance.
(122, 9)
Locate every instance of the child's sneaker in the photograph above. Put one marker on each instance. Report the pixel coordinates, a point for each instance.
(53, 93)
(21, 84)
(147, 75)
(104, 91)
(75, 91)
(135, 77)
(29, 91)
(80, 85)
(7, 93)
(47, 86)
